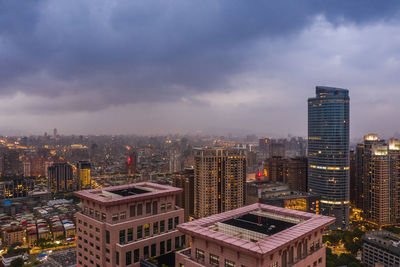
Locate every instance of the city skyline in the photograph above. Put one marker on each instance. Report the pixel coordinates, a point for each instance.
(161, 67)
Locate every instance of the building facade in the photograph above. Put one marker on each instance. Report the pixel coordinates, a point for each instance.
(381, 248)
(328, 151)
(121, 225)
(378, 180)
(84, 178)
(219, 180)
(185, 200)
(61, 177)
(255, 236)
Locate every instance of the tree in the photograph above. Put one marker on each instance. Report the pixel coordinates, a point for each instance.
(18, 262)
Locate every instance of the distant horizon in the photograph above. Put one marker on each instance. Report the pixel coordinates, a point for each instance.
(156, 67)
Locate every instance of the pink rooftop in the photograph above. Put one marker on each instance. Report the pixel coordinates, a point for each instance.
(304, 223)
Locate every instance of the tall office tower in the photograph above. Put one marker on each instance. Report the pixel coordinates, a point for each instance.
(219, 180)
(55, 133)
(121, 225)
(131, 164)
(84, 178)
(61, 177)
(277, 149)
(295, 173)
(328, 151)
(185, 200)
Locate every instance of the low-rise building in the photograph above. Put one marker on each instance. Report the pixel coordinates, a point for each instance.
(13, 234)
(257, 235)
(381, 247)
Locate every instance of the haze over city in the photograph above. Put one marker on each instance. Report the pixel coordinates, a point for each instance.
(156, 67)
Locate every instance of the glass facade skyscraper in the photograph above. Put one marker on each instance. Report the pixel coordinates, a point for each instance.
(328, 151)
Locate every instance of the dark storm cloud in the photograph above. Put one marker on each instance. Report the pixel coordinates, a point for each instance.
(147, 50)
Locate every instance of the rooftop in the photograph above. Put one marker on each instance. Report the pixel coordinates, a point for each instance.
(240, 228)
(127, 193)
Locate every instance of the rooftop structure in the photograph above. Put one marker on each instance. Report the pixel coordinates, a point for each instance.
(127, 224)
(235, 237)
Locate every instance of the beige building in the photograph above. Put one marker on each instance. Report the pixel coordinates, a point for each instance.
(13, 234)
(219, 180)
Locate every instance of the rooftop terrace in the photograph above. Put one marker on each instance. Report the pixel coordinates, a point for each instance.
(240, 228)
(126, 193)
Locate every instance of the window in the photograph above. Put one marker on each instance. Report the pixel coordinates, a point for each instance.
(146, 229)
(162, 226)
(183, 240)
(103, 217)
(136, 255)
(169, 206)
(139, 232)
(128, 258)
(85, 224)
(155, 227)
(176, 222)
(122, 215)
(130, 235)
(169, 223)
(115, 217)
(122, 236)
(139, 209)
(163, 207)
(148, 207)
(176, 241)
(107, 260)
(132, 211)
(319, 260)
(155, 208)
(162, 247)
(97, 247)
(168, 244)
(97, 238)
(91, 212)
(97, 230)
(153, 250)
(214, 260)
(117, 257)
(107, 237)
(107, 250)
(229, 263)
(146, 252)
(97, 214)
(199, 254)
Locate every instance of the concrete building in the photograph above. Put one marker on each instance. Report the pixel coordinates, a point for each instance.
(291, 171)
(254, 236)
(84, 178)
(328, 151)
(61, 177)
(381, 248)
(13, 234)
(378, 180)
(219, 180)
(185, 200)
(121, 225)
(280, 195)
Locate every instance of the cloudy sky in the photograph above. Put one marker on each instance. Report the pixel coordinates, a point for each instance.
(179, 66)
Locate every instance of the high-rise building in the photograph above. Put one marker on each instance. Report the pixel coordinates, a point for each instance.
(291, 171)
(121, 225)
(257, 235)
(185, 200)
(61, 177)
(378, 180)
(84, 178)
(10, 163)
(219, 180)
(328, 151)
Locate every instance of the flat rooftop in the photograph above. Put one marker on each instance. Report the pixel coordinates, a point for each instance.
(240, 229)
(127, 193)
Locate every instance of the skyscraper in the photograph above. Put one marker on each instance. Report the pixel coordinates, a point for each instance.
(61, 177)
(185, 200)
(328, 151)
(219, 180)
